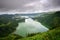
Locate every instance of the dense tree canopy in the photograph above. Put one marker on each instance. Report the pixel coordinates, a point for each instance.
(8, 24)
(49, 20)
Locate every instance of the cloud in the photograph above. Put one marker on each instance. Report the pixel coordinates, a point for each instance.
(29, 5)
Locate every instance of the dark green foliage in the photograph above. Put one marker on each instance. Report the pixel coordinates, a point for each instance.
(50, 20)
(17, 37)
(7, 25)
(7, 29)
(33, 34)
(11, 37)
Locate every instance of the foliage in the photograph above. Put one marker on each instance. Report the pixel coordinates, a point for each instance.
(7, 25)
(11, 37)
(33, 34)
(49, 20)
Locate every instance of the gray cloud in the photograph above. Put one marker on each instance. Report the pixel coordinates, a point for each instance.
(29, 5)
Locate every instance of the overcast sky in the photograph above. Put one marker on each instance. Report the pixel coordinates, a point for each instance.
(29, 5)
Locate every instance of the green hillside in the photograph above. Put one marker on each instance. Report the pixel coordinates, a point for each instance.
(8, 26)
(50, 20)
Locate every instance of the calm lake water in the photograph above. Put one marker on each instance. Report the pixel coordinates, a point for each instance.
(30, 26)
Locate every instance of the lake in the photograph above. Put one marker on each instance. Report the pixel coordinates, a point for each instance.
(30, 26)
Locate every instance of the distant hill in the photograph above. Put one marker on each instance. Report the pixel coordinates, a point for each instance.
(49, 20)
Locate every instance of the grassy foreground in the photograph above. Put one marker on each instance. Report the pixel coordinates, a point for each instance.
(50, 35)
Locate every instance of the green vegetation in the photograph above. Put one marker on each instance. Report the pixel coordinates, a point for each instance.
(51, 21)
(8, 25)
